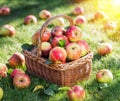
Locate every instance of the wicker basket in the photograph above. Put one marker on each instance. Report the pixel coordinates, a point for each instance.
(62, 74)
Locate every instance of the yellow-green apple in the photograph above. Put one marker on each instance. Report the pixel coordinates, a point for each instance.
(45, 48)
(7, 30)
(16, 71)
(110, 26)
(57, 31)
(104, 48)
(99, 15)
(45, 37)
(58, 22)
(17, 59)
(84, 46)
(4, 11)
(3, 70)
(58, 55)
(79, 20)
(76, 93)
(60, 41)
(1, 93)
(73, 33)
(21, 81)
(104, 76)
(30, 19)
(74, 51)
(44, 14)
(78, 10)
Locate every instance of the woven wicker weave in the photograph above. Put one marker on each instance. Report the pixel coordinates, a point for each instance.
(62, 74)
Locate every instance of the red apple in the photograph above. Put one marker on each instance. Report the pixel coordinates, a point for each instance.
(44, 14)
(16, 71)
(73, 33)
(84, 46)
(73, 51)
(110, 26)
(7, 30)
(104, 76)
(30, 19)
(21, 81)
(17, 59)
(3, 70)
(4, 11)
(45, 48)
(57, 31)
(78, 10)
(60, 41)
(76, 93)
(79, 20)
(58, 22)
(104, 48)
(99, 15)
(58, 55)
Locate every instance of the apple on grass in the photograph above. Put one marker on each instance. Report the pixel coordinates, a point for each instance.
(4, 11)
(78, 10)
(7, 30)
(21, 81)
(44, 14)
(17, 59)
(76, 93)
(30, 19)
(3, 70)
(99, 15)
(1, 93)
(58, 22)
(104, 76)
(74, 51)
(110, 25)
(79, 20)
(58, 55)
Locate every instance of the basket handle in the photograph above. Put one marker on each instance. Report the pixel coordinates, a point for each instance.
(44, 26)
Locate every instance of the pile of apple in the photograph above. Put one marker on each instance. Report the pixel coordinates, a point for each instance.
(61, 45)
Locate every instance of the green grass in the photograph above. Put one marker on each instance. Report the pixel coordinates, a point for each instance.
(92, 33)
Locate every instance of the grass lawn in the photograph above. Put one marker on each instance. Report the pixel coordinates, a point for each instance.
(92, 33)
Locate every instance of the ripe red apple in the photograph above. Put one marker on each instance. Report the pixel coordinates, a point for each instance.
(104, 76)
(73, 33)
(99, 15)
(4, 11)
(79, 20)
(16, 71)
(84, 46)
(21, 81)
(76, 93)
(57, 31)
(17, 59)
(58, 55)
(30, 19)
(78, 10)
(45, 48)
(104, 48)
(44, 14)
(73, 51)
(3, 70)
(58, 22)
(7, 30)
(110, 26)
(60, 41)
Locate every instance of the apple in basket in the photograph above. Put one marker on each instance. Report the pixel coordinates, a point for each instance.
(78, 10)
(44, 14)
(104, 76)
(84, 46)
(57, 31)
(76, 93)
(7, 30)
(3, 70)
(58, 55)
(99, 15)
(17, 59)
(74, 51)
(73, 33)
(36, 36)
(104, 48)
(79, 20)
(58, 22)
(4, 11)
(45, 48)
(30, 19)
(21, 81)
(59, 41)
